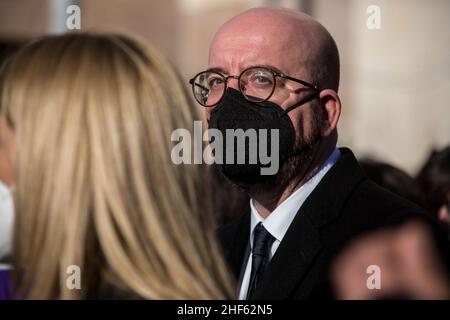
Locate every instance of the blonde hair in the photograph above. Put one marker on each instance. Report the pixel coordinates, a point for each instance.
(96, 187)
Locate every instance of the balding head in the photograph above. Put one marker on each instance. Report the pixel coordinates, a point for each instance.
(290, 40)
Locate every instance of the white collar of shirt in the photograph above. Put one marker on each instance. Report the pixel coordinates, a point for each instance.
(278, 222)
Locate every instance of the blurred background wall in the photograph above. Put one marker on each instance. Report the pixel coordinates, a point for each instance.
(395, 83)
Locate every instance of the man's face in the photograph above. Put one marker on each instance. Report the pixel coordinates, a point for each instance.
(238, 47)
(280, 48)
(7, 145)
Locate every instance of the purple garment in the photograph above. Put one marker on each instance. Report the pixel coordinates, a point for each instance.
(5, 284)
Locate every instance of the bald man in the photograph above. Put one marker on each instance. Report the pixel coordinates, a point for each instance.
(277, 71)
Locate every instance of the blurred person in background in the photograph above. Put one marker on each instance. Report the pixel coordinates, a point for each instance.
(393, 179)
(6, 192)
(6, 186)
(6, 210)
(394, 263)
(434, 180)
(88, 120)
(410, 267)
(279, 69)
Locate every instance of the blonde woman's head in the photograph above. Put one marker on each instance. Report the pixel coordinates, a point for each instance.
(92, 117)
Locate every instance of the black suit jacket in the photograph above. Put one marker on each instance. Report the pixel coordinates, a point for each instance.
(343, 205)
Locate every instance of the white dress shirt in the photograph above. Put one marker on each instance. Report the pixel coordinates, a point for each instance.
(279, 220)
(6, 220)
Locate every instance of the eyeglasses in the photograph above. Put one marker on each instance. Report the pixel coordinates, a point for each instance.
(256, 84)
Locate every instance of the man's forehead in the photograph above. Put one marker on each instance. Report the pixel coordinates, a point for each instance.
(267, 20)
(256, 34)
(239, 52)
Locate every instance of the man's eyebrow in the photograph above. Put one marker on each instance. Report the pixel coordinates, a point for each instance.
(268, 66)
(216, 69)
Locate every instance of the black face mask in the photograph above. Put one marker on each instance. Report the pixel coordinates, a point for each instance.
(236, 112)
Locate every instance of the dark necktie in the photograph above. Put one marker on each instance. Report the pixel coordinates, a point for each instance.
(262, 242)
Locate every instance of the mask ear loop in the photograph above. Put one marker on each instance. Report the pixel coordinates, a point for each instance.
(306, 99)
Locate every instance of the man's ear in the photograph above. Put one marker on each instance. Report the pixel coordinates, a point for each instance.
(331, 106)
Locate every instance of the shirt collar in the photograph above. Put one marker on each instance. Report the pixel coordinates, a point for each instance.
(278, 222)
